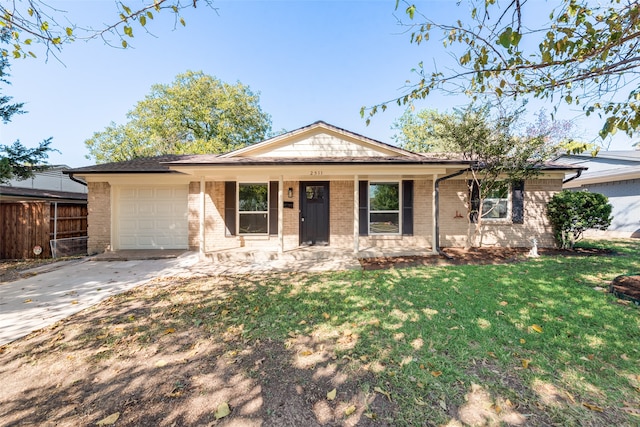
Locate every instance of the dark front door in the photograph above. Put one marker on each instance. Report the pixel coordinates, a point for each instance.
(314, 213)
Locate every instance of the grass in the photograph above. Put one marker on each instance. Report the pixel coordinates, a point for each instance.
(532, 334)
(526, 343)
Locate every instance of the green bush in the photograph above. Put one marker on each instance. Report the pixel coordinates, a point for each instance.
(573, 212)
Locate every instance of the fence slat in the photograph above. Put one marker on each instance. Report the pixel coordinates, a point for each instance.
(24, 225)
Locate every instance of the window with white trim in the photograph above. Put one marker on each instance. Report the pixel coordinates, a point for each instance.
(497, 203)
(253, 208)
(384, 208)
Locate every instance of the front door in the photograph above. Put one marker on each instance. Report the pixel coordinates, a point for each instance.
(314, 213)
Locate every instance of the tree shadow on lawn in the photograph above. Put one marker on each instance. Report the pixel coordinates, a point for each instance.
(399, 346)
(168, 355)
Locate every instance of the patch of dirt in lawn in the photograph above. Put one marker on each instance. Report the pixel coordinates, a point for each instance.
(476, 256)
(540, 400)
(158, 357)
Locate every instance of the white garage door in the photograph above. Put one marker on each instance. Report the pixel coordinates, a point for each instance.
(153, 217)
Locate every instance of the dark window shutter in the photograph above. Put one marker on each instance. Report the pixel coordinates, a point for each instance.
(517, 202)
(475, 201)
(364, 208)
(273, 208)
(407, 208)
(230, 208)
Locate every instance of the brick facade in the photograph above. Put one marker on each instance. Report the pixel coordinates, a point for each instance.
(341, 214)
(453, 221)
(454, 224)
(99, 217)
(215, 230)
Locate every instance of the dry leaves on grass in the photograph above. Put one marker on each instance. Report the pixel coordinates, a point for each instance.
(110, 420)
(222, 410)
(536, 328)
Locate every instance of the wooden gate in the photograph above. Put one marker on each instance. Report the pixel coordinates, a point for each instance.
(24, 225)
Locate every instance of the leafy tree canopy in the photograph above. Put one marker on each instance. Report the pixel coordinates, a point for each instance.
(196, 114)
(16, 160)
(500, 155)
(491, 139)
(431, 131)
(585, 53)
(20, 162)
(419, 131)
(36, 21)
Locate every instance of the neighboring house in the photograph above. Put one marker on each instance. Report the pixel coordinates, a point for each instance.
(52, 179)
(50, 207)
(616, 174)
(317, 185)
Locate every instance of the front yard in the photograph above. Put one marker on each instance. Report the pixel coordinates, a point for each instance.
(522, 343)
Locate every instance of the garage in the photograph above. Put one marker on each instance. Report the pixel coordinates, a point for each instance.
(152, 217)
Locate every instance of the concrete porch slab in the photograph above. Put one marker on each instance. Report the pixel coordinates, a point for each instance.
(139, 255)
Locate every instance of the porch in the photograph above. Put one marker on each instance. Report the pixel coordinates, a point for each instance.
(266, 260)
(309, 253)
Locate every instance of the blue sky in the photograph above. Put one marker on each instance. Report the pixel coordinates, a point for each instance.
(310, 60)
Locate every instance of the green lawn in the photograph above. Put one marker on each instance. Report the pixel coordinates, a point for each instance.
(528, 343)
(509, 339)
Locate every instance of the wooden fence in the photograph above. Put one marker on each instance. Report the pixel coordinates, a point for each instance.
(71, 221)
(25, 225)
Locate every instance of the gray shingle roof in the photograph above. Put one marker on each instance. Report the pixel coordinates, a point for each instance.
(142, 165)
(35, 193)
(162, 164)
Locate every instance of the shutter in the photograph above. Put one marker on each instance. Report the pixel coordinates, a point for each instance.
(474, 200)
(230, 208)
(273, 208)
(407, 208)
(364, 208)
(517, 202)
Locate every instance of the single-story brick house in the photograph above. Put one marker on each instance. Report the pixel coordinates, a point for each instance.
(317, 185)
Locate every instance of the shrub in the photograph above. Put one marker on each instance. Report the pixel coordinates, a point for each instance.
(573, 212)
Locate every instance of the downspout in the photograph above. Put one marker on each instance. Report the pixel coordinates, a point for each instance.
(436, 200)
(74, 179)
(577, 175)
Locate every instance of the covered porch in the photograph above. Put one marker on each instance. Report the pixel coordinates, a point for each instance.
(323, 212)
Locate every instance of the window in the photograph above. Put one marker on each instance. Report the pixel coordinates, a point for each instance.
(253, 208)
(384, 208)
(315, 193)
(496, 203)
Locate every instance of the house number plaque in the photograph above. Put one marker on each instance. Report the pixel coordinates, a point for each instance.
(315, 173)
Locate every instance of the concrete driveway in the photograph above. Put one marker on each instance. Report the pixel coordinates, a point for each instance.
(58, 290)
(65, 288)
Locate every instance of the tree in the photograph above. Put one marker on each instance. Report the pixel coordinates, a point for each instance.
(585, 54)
(16, 160)
(418, 131)
(20, 162)
(30, 21)
(573, 212)
(421, 130)
(195, 114)
(500, 159)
